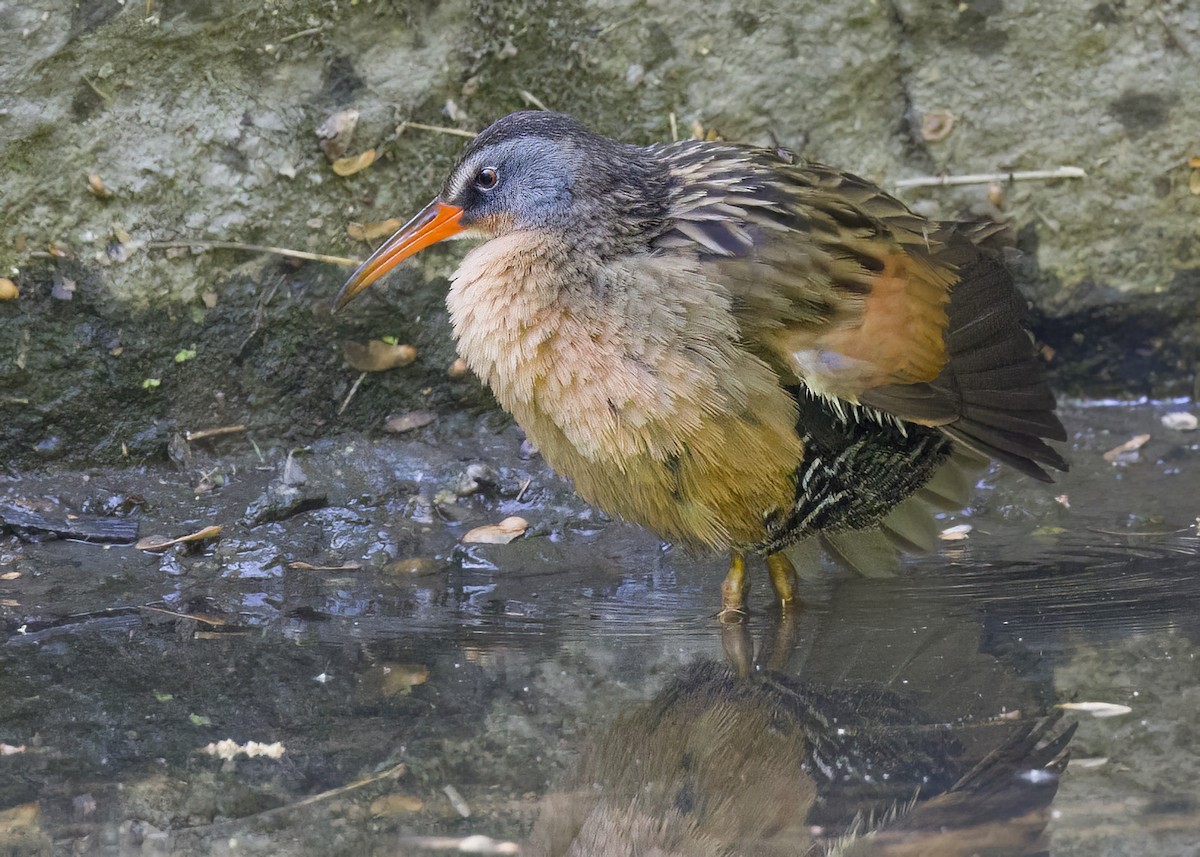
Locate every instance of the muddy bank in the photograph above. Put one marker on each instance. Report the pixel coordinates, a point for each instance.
(132, 134)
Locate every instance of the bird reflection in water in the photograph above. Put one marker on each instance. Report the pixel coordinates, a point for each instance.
(746, 760)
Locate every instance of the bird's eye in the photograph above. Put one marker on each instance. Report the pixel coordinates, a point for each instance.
(487, 178)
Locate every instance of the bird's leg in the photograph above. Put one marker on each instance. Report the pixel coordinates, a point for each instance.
(739, 647)
(733, 590)
(783, 579)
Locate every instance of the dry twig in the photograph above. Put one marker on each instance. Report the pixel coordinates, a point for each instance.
(988, 178)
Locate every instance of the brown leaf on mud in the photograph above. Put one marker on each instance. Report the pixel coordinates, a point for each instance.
(1124, 451)
(395, 804)
(936, 125)
(158, 544)
(400, 423)
(352, 164)
(373, 231)
(301, 565)
(18, 819)
(97, 187)
(377, 355)
(8, 290)
(497, 534)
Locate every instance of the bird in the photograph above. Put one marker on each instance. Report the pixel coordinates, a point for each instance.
(717, 765)
(735, 348)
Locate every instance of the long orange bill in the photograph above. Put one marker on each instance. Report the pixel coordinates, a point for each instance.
(436, 222)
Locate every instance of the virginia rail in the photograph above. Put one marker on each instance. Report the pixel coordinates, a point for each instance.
(730, 347)
(717, 765)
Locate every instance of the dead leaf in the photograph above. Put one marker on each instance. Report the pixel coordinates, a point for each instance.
(458, 369)
(158, 544)
(209, 299)
(16, 820)
(8, 290)
(10, 749)
(10, 575)
(497, 534)
(417, 566)
(335, 133)
(1122, 452)
(1097, 709)
(355, 163)
(1090, 762)
(1194, 162)
(396, 805)
(377, 355)
(955, 533)
(1194, 183)
(97, 187)
(373, 231)
(1180, 421)
(9, 602)
(300, 565)
(401, 423)
(399, 678)
(936, 125)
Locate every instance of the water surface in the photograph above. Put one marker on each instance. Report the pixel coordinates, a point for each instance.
(573, 686)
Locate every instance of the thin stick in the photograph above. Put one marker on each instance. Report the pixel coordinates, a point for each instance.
(344, 261)
(350, 395)
(214, 621)
(530, 98)
(311, 31)
(394, 771)
(463, 845)
(437, 129)
(674, 127)
(96, 89)
(214, 432)
(986, 178)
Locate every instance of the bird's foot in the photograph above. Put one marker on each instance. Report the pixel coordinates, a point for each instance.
(734, 589)
(784, 581)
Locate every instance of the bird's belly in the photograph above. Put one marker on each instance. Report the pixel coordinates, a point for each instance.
(657, 414)
(715, 489)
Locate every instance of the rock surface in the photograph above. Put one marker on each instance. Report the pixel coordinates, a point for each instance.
(124, 125)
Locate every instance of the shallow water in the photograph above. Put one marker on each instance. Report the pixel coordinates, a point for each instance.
(574, 685)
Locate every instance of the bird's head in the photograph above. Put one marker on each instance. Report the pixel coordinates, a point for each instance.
(532, 170)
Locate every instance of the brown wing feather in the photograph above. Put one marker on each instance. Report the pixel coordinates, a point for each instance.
(844, 289)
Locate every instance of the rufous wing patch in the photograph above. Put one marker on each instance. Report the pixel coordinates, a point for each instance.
(894, 334)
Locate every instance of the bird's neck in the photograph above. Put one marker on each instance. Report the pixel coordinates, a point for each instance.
(560, 334)
(612, 351)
